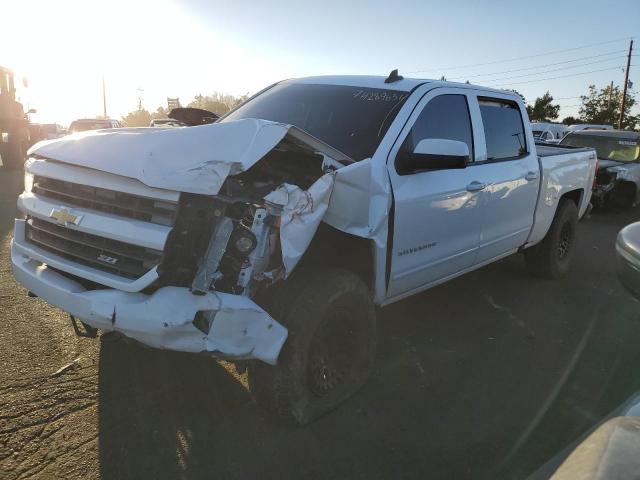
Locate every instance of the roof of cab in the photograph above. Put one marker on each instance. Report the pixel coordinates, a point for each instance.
(377, 81)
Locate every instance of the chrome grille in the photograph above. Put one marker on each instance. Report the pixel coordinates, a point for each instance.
(125, 259)
(161, 212)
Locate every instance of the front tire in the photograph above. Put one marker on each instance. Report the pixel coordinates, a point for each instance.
(551, 258)
(330, 350)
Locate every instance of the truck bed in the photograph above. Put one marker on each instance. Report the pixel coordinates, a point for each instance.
(549, 150)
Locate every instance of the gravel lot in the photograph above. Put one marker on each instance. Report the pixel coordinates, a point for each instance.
(486, 376)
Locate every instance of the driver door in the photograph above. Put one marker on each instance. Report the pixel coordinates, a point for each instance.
(437, 218)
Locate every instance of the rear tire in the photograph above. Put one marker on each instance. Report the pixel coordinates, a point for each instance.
(330, 350)
(552, 256)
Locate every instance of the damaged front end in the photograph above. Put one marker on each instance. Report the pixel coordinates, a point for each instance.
(242, 226)
(615, 185)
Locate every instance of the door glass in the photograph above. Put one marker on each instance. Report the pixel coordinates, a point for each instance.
(503, 129)
(445, 116)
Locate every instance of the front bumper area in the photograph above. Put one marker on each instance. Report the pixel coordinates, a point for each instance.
(163, 319)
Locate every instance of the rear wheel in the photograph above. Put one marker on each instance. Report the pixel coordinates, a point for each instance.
(551, 257)
(330, 350)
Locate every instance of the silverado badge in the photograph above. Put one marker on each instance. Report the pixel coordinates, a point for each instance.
(64, 217)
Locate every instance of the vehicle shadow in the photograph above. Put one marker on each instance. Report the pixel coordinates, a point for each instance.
(492, 368)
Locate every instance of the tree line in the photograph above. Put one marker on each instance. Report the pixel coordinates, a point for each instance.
(218, 103)
(599, 106)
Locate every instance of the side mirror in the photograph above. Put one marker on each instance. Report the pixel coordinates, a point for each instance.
(433, 154)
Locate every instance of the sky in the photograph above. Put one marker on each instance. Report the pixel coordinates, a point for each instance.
(179, 48)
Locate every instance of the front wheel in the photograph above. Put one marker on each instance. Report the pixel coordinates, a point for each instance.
(552, 256)
(330, 350)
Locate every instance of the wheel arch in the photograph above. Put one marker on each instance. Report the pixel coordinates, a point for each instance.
(331, 247)
(575, 196)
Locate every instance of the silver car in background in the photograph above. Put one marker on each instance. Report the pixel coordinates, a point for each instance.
(628, 258)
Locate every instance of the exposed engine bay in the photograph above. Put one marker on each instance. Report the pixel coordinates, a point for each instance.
(230, 242)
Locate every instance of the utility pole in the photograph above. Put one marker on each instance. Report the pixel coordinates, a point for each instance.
(626, 82)
(104, 99)
(610, 94)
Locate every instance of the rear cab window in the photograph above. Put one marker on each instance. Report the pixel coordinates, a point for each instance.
(503, 129)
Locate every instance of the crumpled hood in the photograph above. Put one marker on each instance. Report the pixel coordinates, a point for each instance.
(193, 159)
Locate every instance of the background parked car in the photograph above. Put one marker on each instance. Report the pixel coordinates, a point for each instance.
(549, 132)
(618, 175)
(85, 124)
(51, 131)
(165, 122)
(628, 258)
(589, 126)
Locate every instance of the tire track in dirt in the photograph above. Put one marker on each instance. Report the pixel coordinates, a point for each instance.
(49, 423)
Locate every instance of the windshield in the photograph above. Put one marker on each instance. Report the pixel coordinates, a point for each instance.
(351, 119)
(608, 148)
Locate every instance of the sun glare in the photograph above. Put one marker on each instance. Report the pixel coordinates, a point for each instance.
(143, 48)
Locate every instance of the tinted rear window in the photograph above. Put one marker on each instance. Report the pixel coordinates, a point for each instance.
(503, 128)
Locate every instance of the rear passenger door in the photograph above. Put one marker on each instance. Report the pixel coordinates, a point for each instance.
(509, 170)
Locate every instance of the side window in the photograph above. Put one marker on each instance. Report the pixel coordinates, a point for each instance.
(503, 128)
(445, 116)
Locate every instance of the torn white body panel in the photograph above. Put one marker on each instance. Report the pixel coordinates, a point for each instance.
(360, 202)
(301, 213)
(194, 159)
(164, 319)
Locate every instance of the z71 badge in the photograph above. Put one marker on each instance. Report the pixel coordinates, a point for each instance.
(107, 259)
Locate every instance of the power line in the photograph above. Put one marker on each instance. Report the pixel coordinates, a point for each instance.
(552, 70)
(560, 76)
(523, 57)
(538, 66)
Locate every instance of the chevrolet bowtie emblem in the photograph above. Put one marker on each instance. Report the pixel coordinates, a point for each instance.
(64, 216)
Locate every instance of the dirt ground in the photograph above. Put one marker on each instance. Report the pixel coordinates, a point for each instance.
(487, 376)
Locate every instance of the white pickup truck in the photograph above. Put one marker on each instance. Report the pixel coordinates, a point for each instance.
(272, 234)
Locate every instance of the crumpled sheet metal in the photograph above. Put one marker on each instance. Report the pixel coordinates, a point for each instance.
(302, 212)
(350, 199)
(360, 201)
(193, 159)
(240, 328)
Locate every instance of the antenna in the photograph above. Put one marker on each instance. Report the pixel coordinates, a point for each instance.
(393, 77)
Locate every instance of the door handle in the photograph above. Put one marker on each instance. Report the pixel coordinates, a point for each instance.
(530, 176)
(476, 186)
